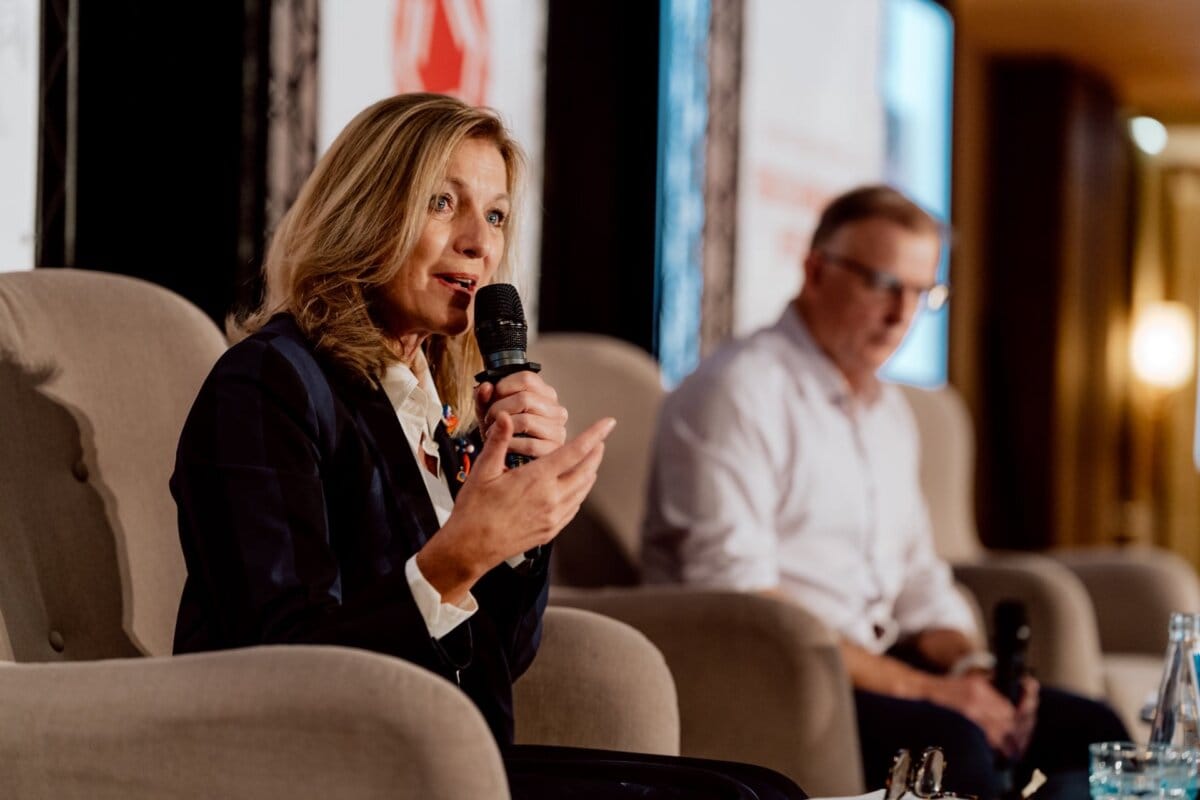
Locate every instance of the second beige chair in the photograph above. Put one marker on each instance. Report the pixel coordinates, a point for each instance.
(759, 680)
(1099, 615)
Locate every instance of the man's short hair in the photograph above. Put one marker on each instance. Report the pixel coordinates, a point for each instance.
(869, 202)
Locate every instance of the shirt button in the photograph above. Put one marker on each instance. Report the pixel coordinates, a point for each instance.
(79, 470)
(57, 641)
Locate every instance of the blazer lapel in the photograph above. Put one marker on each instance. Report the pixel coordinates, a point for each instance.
(451, 458)
(385, 438)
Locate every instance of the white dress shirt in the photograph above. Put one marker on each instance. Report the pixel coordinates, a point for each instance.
(769, 473)
(419, 411)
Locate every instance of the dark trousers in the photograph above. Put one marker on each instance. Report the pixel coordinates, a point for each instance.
(537, 772)
(1066, 725)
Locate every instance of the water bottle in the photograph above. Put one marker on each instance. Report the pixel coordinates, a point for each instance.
(1175, 709)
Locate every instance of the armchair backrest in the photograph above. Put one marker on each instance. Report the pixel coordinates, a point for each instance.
(598, 376)
(947, 469)
(97, 373)
(620, 691)
(285, 721)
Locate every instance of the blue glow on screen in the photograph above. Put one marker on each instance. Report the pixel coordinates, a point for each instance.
(917, 83)
(682, 119)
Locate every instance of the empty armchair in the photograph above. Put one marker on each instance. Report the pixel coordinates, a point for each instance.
(597, 683)
(759, 680)
(96, 375)
(1099, 615)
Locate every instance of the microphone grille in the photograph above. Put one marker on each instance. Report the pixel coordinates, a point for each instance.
(499, 319)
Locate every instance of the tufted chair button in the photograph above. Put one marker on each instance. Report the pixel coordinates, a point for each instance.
(79, 470)
(57, 641)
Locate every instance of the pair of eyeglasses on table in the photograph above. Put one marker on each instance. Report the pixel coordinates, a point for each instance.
(921, 777)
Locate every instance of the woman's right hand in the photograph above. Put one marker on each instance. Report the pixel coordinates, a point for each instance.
(501, 512)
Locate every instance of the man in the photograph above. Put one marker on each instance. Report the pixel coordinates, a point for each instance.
(784, 466)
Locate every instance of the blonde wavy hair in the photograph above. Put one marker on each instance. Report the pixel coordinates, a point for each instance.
(356, 221)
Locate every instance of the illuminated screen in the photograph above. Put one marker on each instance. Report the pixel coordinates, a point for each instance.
(917, 83)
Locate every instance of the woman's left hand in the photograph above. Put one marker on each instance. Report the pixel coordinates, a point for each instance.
(539, 421)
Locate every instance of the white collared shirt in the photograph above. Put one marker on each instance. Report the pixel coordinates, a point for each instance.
(414, 396)
(769, 473)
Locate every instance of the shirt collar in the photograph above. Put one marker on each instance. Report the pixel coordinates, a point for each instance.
(832, 381)
(411, 390)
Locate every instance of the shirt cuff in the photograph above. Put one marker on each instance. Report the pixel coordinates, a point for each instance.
(977, 660)
(440, 618)
(516, 561)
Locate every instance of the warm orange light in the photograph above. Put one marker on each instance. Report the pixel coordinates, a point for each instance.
(1163, 346)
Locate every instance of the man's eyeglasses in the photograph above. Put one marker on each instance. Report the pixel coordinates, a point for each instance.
(931, 298)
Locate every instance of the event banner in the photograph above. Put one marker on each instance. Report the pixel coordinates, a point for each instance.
(487, 52)
(813, 126)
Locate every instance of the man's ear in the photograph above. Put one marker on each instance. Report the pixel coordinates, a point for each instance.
(814, 269)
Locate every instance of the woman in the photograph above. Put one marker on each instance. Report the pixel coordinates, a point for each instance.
(315, 479)
(321, 499)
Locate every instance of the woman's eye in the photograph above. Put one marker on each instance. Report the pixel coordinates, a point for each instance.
(495, 218)
(440, 202)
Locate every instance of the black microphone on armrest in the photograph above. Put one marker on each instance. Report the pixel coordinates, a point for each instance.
(502, 335)
(1010, 642)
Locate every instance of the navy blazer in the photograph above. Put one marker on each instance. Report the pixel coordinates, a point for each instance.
(300, 501)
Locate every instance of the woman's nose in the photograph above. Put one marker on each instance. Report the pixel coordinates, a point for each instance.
(471, 238)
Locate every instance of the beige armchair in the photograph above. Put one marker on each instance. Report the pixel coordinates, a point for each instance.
(759, 680)
(96, 375)
(296, 722)
(1099, 615)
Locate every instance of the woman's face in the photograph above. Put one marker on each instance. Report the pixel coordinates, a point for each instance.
(458, 250)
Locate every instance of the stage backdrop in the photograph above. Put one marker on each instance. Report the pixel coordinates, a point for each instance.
(812, 127)
(487, 52)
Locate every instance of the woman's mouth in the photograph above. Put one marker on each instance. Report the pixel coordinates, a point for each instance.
(458, 282)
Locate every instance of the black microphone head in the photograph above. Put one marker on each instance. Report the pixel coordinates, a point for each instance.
(500, 322)
(1011, 624)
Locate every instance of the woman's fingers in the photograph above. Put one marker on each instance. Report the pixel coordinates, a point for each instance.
(566, 457)
(525, 381)
(537, 436)
(589, 464)
(581, 482)
(491, 459)
(528, 405)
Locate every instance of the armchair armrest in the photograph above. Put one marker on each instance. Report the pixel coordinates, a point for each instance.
(599, 683)
(291, 721)
(1064, 647)
(759, 680)
(1134, 590)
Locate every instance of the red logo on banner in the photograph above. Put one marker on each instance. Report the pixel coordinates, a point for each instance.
(441, 46)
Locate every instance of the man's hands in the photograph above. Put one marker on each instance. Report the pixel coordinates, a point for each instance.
(1008, 728)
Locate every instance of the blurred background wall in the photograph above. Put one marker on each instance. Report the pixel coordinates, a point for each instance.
(680, 150)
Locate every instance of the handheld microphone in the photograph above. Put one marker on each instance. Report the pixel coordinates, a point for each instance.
(502, 335)
(1010, 642)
